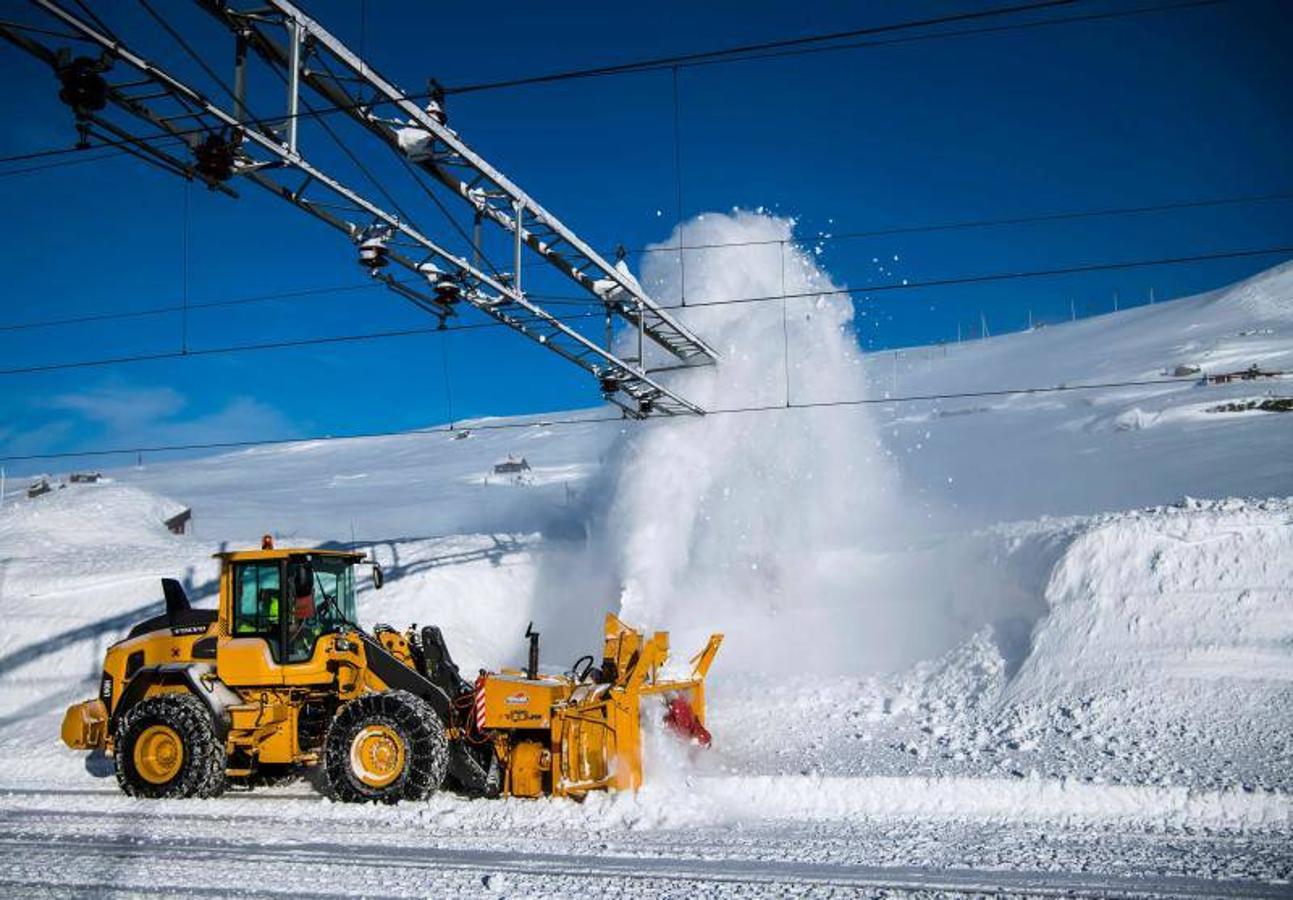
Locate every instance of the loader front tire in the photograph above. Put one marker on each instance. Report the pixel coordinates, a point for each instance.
(167, 746)
(385, 748)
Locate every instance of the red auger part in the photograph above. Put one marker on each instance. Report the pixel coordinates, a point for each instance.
(682, 719)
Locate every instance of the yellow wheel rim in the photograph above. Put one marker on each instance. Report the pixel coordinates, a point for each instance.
(159, 754)
(377, 755)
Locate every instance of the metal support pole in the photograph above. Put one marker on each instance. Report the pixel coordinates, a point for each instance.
(475, 241)
(516, 267)
(293, 82)
(641, 332)
(240, 79)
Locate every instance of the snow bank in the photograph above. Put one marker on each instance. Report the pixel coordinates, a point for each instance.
(88, 514)
(1159, 599)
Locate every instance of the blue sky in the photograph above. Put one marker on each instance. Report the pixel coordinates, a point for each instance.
(1179, 105)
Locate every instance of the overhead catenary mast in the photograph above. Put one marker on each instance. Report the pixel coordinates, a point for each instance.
(227, 145)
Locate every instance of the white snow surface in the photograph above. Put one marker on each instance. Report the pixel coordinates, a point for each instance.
(1027, 632)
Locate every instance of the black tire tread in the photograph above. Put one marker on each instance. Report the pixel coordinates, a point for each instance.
(203, 771)
(427, 756)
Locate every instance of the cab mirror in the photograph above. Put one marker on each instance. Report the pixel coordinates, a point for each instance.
(378, 578)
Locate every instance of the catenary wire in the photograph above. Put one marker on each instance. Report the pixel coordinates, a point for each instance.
(963, 32)
(475, 326)
(543, 422)
(1201, 203)
(625, 68)
(907, 229)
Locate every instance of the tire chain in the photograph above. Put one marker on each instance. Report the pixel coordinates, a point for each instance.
(427, 749)
(202, 773)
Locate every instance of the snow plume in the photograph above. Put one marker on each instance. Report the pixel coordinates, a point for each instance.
(755, 523)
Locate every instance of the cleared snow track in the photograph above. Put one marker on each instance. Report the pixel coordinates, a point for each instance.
(52, 852)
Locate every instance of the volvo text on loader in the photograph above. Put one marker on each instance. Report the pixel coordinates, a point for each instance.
(279, 676)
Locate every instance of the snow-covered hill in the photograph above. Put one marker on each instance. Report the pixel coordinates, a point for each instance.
(985, 609)
(1020, 456)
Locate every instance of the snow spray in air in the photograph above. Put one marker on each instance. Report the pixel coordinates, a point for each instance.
(754, 523)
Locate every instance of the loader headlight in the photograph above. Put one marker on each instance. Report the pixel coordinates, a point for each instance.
(344, 645)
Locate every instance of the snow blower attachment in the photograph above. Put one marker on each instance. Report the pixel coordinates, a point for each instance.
(279, 676)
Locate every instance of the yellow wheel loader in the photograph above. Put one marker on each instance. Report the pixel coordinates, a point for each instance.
(279, 676)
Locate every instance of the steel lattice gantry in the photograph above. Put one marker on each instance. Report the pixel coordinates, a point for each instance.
(227, 145)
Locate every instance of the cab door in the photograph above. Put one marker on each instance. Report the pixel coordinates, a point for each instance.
(251, 656)
(318, 588)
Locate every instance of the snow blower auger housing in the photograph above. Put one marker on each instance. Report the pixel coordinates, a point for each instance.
(280, 677)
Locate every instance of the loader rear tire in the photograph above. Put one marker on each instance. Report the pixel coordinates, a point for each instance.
(166, 746)
(385, 748)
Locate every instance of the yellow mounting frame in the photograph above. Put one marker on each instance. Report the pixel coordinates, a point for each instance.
(598, 732)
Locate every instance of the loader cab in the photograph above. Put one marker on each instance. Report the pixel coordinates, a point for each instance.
(275, 605)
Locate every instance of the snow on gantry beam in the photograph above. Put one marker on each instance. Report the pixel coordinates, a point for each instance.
(426, 141)
(259, 154)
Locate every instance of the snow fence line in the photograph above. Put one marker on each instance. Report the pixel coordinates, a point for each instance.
(1032, 799)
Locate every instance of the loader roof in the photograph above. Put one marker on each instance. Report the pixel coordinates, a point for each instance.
(284, 552)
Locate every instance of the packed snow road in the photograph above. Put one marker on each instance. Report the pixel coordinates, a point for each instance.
(286, 841)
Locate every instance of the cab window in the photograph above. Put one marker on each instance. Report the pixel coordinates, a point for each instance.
(258, 600)
(326, 607)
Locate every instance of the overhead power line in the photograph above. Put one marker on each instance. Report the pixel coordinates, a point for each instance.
(997, 276)
(1174, 206)
(273, 345)
(778, 49)
(957, 33)
(711, 57)
(820, 239)
(175, 308)
(594, 420)
(596, 314)
(685, 59)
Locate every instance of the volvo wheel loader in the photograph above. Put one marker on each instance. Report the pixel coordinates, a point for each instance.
(279, 676)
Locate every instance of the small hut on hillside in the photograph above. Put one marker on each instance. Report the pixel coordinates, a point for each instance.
(181, 522)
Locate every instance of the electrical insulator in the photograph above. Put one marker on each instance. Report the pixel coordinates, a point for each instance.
(448, 291)
(83, 86)
(373, 252)
(215, 157)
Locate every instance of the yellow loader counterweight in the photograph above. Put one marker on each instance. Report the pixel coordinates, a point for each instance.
(279, 676)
